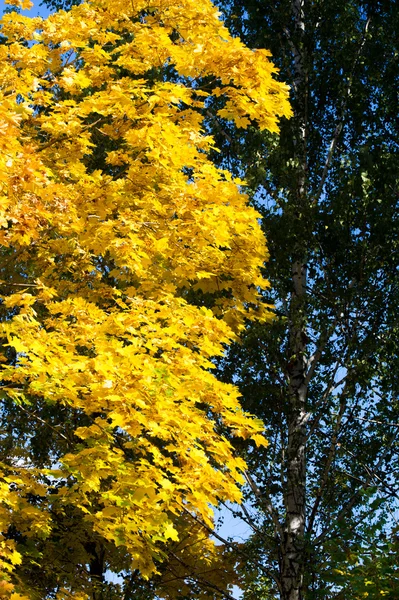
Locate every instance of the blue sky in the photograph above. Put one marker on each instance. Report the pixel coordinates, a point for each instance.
(36, 11)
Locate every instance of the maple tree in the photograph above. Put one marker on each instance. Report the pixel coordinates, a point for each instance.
(114, 428)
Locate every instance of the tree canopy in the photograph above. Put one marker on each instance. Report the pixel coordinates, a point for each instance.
(114, 430)
(323, 376)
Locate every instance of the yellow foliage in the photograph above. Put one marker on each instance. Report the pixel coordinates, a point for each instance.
(101, 260)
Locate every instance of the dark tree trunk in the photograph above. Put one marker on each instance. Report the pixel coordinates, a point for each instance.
(96, 567)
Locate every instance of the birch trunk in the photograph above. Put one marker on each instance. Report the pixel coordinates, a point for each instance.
(293, 546)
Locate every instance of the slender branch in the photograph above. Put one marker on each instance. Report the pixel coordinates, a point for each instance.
(24, 285)
(320, 539)
(218, 125)
(323, 340)
(330, 458)
(68, 137)
(234, 547)
(200, 579)
(37, 418)
(265, 500)
(331, 387)
(246, 518)
(340, 124)
(249, 519)
(373, 474)
(316, 356)
(387, 423)
(392, 515)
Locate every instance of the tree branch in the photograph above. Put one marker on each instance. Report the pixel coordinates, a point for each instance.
(340, 124)
(320, 539)
(234, 547)
(330, 458)
(265, 500)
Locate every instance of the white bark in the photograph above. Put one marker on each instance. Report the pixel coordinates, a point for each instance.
(293, 559)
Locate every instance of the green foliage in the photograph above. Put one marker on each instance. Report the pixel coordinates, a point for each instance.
(345, 226)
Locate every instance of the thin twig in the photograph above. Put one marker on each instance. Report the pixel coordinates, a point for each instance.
(37, 418)
(68, 137)
(387, 423)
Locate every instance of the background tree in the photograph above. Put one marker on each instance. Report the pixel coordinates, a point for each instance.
(322, 499)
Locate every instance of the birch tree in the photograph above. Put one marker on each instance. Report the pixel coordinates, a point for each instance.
(322, 499)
